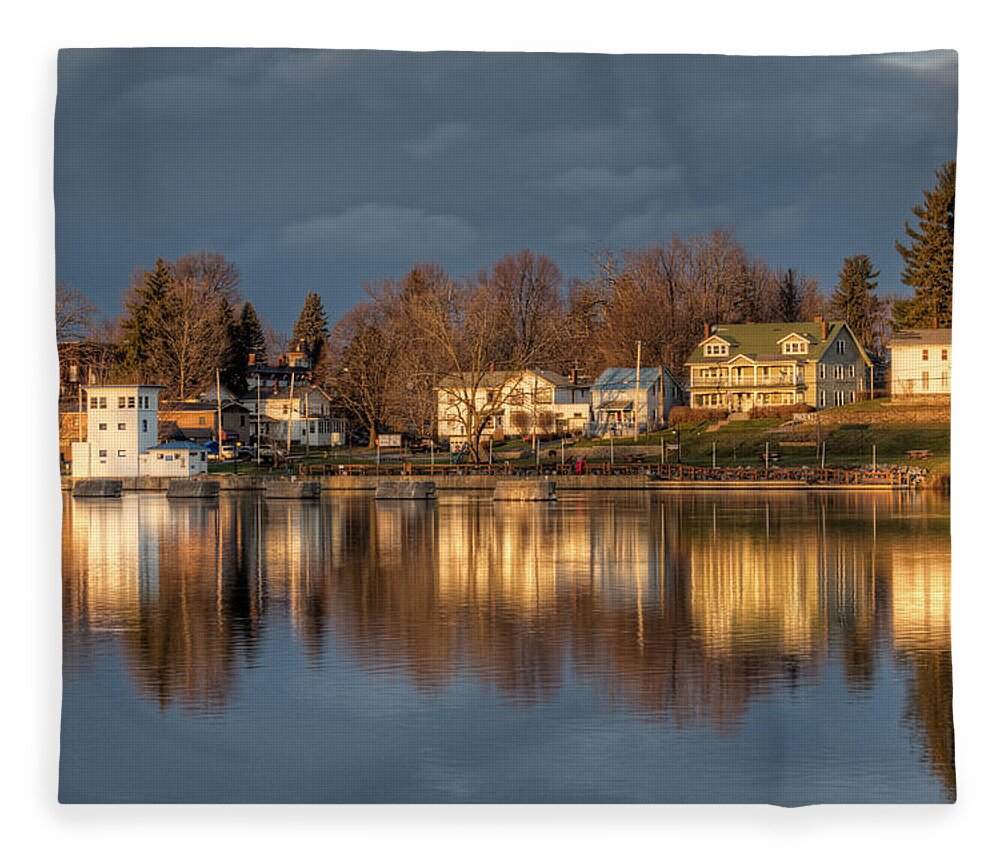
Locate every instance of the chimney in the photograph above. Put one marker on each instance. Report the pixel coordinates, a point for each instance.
(573, 376)
(822, 329)
(491, 367)
(935, 321)
(252, 358)
(708, 329)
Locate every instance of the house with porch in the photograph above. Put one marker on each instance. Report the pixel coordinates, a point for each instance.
(920, 363)
(512, 403)
(621, 396)
(309, 408)
(755, 365)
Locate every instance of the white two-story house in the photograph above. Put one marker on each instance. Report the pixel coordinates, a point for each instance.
(920, 362)
(511, 403)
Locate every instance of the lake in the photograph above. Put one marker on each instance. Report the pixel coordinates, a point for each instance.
(785, 647)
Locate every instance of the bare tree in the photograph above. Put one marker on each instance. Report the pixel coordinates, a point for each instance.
(74, 314)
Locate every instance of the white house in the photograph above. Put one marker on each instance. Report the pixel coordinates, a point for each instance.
(174, 460)
(121, 425)
(920, 362)
(613, 399)
(310, 409)
(509, 403)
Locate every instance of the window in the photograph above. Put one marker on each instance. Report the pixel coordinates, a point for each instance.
(145, 403)
(822, 398)
(926, 354)
(93, 402)
(822, 371)
(944, 355)
(159, 456)
(121, 425)
(122, 453)
(104, 403)
(201, 420)
(853, 398)
(145, 425)
(102, 426)
(121, 402)
(131, 403)
(243, 421)
(853, 371)
(717, 349)
(838, 398)
(840, 347)
(202, 455)
(102, 453)
(838, 371)
(925, 379)
(169, 457)
(794, 347)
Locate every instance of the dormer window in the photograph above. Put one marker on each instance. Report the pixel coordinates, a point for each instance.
(716, 349)
(795, 347)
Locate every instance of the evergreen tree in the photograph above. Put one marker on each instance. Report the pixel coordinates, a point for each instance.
(928, 258)
(854, 299)
(747, 302)
(312, 327)
(143, 305)
(232, 355)
(252, 337)
(790, 297)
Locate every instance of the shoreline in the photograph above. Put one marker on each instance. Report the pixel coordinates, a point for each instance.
(335, 484)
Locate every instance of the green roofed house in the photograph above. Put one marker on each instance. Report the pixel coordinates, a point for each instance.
(756, 365)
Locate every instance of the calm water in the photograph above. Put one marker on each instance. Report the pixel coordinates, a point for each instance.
(784, 648)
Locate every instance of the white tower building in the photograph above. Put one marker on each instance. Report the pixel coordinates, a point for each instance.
(121, 425)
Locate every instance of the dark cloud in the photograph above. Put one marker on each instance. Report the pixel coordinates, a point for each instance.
(321, 170)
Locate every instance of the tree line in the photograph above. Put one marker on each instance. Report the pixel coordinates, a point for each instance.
(381, 360)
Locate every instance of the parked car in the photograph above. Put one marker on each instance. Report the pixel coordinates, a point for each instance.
(227, 452)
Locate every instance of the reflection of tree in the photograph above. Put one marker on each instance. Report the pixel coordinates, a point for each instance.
(680, 607)
(928, 712)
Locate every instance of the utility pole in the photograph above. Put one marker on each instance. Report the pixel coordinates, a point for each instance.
(635, 405)
(713, 455)
(79, 414)
(218, 411)
(663, 417)
(258, 419)
(291, 396)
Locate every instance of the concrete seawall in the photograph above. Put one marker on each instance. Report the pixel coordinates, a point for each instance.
(333, 484)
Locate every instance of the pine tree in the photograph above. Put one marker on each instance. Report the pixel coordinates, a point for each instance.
(252, 338)
(927, 260)
(232, 356)
(143, 305)
(790, 297)
(312, 327)
(854, 299)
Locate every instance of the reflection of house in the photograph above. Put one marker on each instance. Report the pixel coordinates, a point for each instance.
(921, 363)
(755, 365)
(198, 420)
(512, 403)
(309, 408)
(121, 424)
(613, 398)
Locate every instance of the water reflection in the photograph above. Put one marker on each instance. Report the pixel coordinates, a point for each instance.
(679, 609)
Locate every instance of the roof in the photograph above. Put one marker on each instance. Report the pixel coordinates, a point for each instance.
(759, 341)
(499, 378)
(614, 404)
(177, 445)
(921, 337)
(198, 406)
(623, 378)
(126, 386)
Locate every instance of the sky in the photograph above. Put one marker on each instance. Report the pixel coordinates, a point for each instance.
(324, 170)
